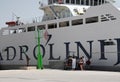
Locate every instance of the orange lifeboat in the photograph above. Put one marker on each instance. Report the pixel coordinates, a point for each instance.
(11, 23)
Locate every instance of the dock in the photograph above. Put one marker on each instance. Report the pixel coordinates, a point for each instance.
(55, 75)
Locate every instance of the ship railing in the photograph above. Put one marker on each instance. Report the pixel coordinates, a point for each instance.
(32, 20)
(27, 21)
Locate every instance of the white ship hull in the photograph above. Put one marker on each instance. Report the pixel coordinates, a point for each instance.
(88, 40)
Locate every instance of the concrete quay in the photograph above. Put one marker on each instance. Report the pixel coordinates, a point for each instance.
(53, 75)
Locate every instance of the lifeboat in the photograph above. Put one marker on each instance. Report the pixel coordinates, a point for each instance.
(11, 23)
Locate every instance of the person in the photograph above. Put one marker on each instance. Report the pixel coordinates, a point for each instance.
(84, 60)
(68, 63)
(73, 63)
(81, 62)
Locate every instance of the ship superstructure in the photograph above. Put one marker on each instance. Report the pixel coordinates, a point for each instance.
(57, 9)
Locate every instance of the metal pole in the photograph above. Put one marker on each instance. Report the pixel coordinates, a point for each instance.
(39, 56)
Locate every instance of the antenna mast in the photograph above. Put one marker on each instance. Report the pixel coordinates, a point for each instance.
(14, 15)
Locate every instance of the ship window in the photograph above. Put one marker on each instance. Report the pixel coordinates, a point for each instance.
(52, 26)
(55, 1)
(77, 22)
(67, 1)
(95, 2)
(87, 2)
(50, 2)
(21, 30)
(92, 20)
(82, 2)
(32, 28)
(73, 1)
(64, 24)
(41, 27)
(91, 2)
(77, 1)
(100, 2)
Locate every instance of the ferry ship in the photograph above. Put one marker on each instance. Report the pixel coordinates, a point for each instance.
(89, 28)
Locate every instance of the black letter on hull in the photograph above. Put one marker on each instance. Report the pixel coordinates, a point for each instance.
(51, 53)
(118, 51)
(8, 53)
(102, 47)
(22, 50)
(83, 49)
(1, 56)
(67, 49)
(90, 42)
(42, 48)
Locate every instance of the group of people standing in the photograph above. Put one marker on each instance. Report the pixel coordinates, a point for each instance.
(81, 62)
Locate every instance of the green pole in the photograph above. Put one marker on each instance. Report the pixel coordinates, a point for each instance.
(39, 56)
